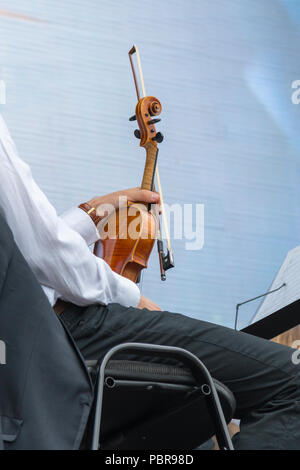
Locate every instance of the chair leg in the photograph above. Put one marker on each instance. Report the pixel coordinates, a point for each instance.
(198, 370)
(97, 412)
(217, 416)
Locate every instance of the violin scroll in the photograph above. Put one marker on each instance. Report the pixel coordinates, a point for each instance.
(145, 110)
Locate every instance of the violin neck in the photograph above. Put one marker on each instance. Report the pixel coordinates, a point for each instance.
(150, 165)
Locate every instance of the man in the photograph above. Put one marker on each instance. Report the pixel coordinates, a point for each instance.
(104, 308)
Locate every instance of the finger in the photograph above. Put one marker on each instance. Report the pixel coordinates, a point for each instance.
(143, 195)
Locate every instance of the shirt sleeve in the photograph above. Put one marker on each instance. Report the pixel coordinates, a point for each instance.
(82, 223)
(57, 254)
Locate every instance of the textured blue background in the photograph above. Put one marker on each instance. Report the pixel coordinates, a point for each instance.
(223, 70)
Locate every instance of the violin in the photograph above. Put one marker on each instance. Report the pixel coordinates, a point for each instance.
(128, 235)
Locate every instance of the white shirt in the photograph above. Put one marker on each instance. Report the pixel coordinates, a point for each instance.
(56, 248)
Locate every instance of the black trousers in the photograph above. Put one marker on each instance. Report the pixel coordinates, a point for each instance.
(261, 374)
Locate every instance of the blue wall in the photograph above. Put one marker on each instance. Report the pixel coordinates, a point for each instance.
(223, 71)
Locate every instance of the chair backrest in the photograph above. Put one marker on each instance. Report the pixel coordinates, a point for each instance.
(157, 406)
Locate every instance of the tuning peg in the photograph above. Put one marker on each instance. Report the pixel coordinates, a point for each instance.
(132, 118)
(137, 133)
(153, 121)
(158, 138)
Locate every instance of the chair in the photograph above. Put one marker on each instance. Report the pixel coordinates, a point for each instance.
(146, 405)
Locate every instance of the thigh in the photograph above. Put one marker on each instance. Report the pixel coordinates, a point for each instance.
(253, 368)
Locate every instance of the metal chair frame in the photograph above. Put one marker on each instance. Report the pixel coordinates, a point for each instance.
(198, 370)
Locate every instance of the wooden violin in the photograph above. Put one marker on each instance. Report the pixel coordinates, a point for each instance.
(127, 235)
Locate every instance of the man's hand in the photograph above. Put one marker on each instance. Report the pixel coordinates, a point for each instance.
(119, 199)
(147, 303)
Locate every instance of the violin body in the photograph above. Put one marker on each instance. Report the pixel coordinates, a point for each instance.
(127, 237)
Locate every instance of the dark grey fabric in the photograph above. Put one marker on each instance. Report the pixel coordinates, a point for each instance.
(45, 389)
